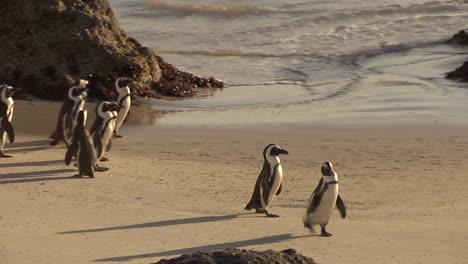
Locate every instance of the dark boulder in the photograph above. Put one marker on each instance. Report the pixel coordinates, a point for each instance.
(238, 256)
(49, 44)
(460, 38)
(460, 73)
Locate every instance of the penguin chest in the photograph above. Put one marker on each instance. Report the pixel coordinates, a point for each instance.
(324, 210)
(124, 108)
(275, 181)
(9, 112)
(77, 106)
(108, 129)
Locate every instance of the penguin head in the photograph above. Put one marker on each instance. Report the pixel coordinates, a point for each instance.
(105, 106)
(83, 83)
(122, 82)
(327, 169)
(273, 150)
(111, 106)
(77, 91)
(6, 91)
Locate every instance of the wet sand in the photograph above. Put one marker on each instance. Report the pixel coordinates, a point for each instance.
(172, 190)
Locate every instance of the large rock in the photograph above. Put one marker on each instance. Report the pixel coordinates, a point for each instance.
(460, 38)
(460, 73)
(49, 44)
(237, 256)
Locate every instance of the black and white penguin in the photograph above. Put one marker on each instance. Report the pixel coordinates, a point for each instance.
(103, 128)
(323, 200)
(124, 100)
(6, 115)
(82, 147)
(72, 104)
(269, 182)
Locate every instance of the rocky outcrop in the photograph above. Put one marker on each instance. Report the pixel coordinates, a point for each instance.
(460, 73)
(238, 256)
(49, 44)
(460, 38)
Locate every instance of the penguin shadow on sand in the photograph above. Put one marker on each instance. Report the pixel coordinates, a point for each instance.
(210, 247)
(28, 146)
(183, 221)
(34, 176)
(33, 163)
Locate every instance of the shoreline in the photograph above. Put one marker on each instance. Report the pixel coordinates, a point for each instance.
(175, 190)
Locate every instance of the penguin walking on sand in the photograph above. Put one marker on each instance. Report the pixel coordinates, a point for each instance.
(82, 147)
(124, 100)
(6, 115)
(72, 104)
(323, 200)
(103, 128)
(269, 182)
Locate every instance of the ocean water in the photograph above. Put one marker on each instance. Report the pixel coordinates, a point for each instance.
(300, 61)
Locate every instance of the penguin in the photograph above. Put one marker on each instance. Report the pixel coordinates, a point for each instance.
(72, 104)
(124, 100)
(103, 128)
(6, 115)
(269, 182)
(323, 200)
(82, 147)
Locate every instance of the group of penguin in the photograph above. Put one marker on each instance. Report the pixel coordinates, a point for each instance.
(88, 148)
(321, 203)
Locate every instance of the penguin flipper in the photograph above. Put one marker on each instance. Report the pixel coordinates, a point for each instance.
(6, 125)
(315, 198)
(71, 151)
(66, 106)
(109, 145)
(97, 144)
(265, 192)
(279, 189)
(94, 127)
(256, 200)
(341, 207)
(67, 128)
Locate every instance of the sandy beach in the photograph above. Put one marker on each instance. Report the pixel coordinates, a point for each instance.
(173, 190)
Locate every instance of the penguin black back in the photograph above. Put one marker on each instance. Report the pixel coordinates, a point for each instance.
(82, 147)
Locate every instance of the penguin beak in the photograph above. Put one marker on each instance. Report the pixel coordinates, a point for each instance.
(283, 151)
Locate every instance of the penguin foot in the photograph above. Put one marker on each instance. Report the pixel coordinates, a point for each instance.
(104, 159)
(307, 225)
(271, 215)
(324, 233)
(5, 156)
(260, 211)
(54, 142)
(97, 168)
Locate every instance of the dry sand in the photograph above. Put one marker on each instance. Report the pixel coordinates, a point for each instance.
(176, 190)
